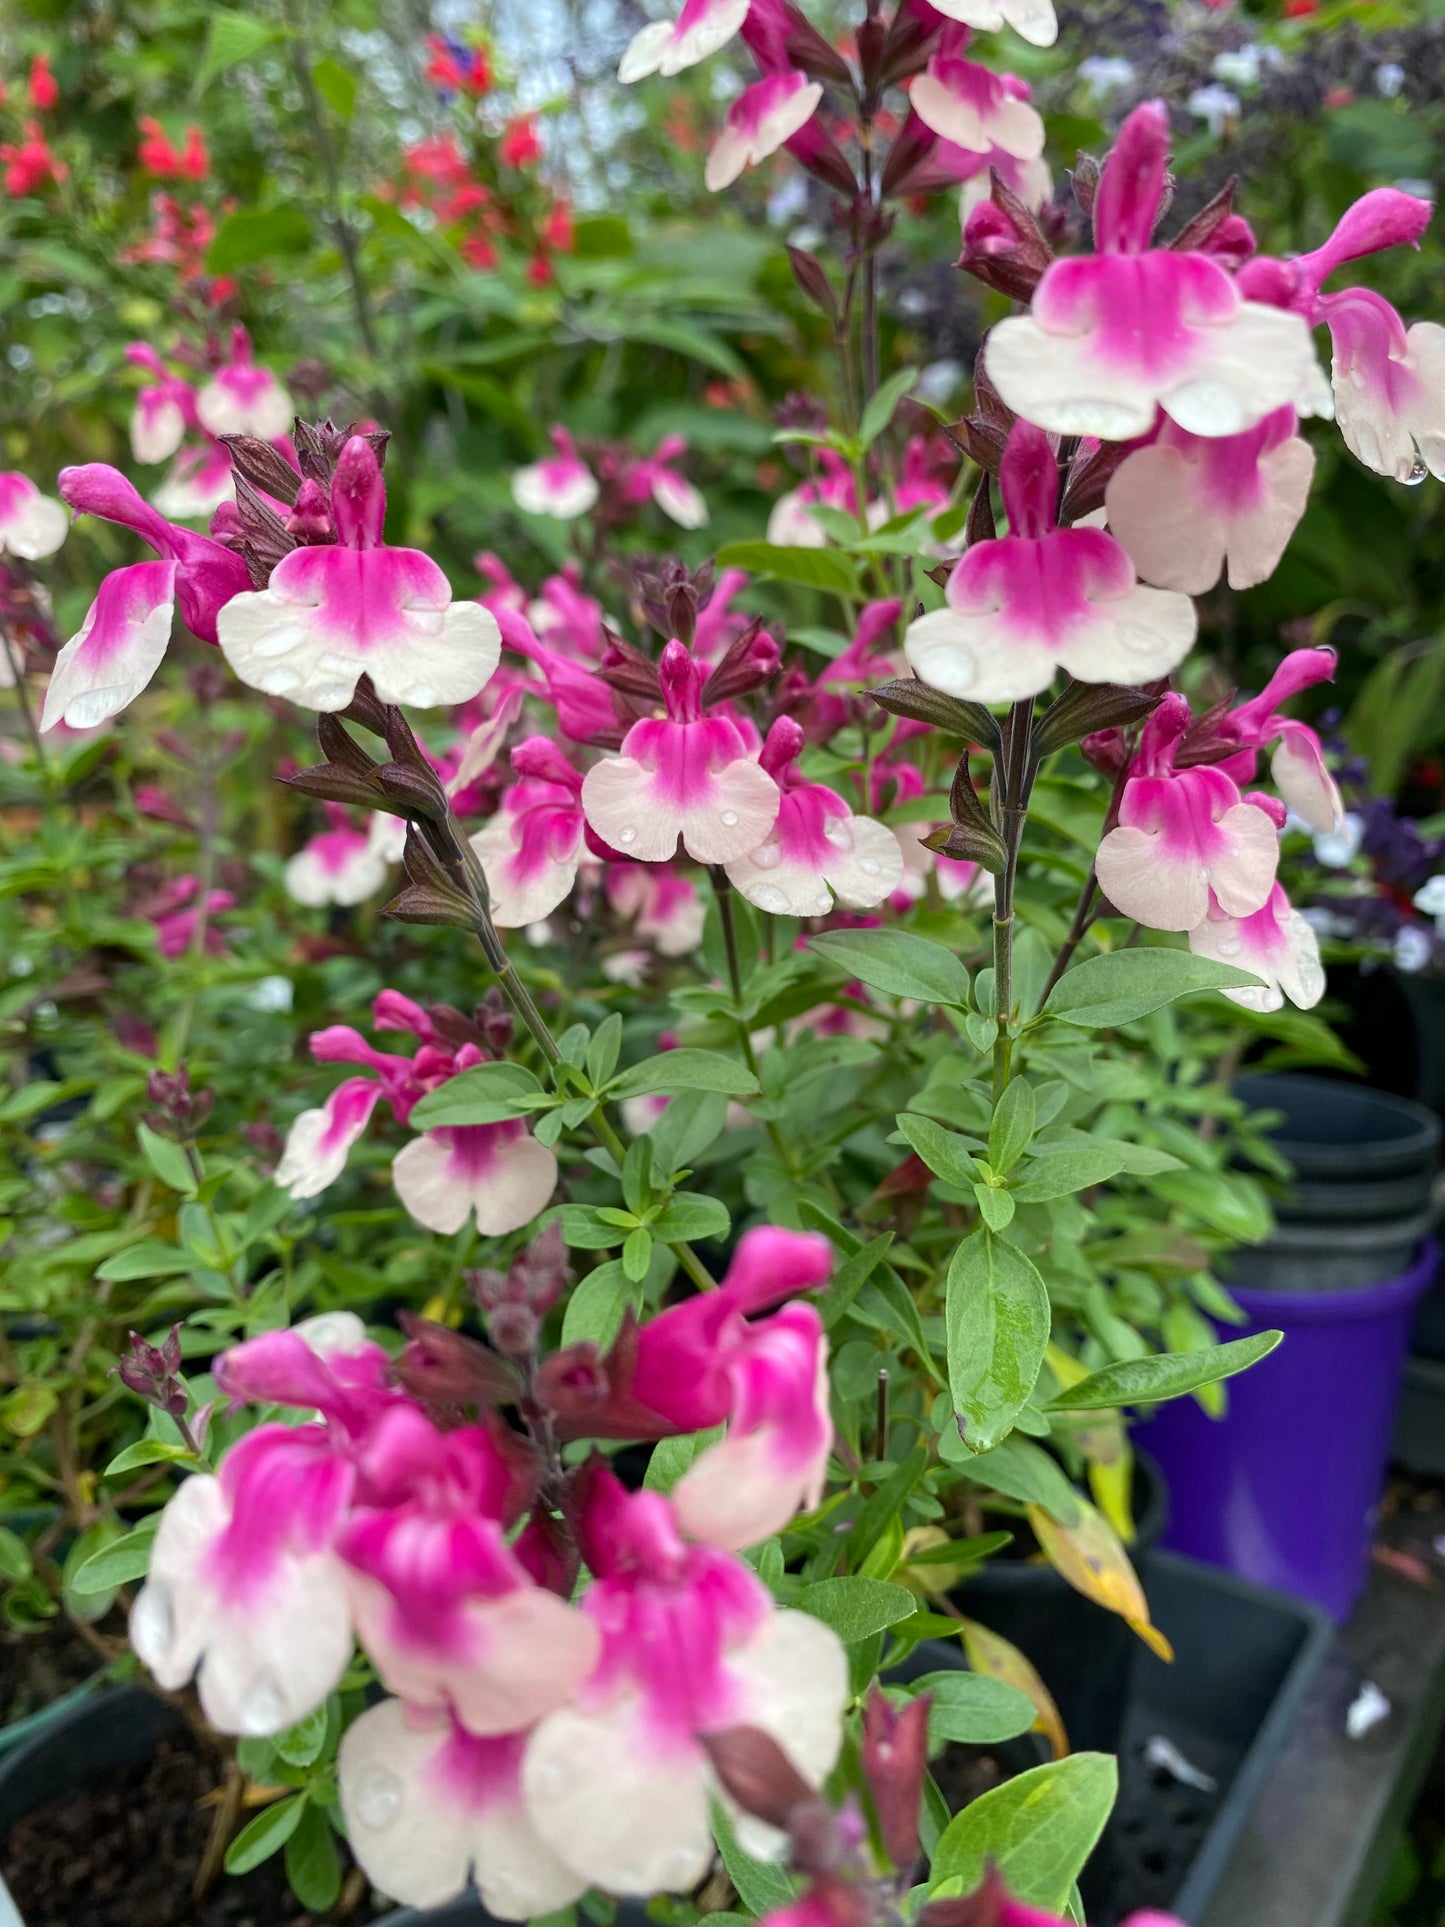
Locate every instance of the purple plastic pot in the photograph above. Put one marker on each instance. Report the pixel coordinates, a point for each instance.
(1283, 1489)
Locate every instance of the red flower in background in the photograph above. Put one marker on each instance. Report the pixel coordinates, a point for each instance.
(43, 91)
(159, 155)
(457, 68)
(30, 165)
(520, 145)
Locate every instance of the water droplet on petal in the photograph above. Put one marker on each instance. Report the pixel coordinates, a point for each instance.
(377, 1797)
(767, 896)
(730, 818)
(869, 865)
(263, 1710)
(629, 835)
(839, 834)
(1418, 472)
(822, 903)
(1230, 947)
(768, 856)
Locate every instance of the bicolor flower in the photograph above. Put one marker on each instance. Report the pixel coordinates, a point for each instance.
(561, 485)
(1185, 837)
(974, 107)
(658, 477)
(245, 1589)
(1298, 766)
(163, 411)
(334, 613)
(1042, 598)
(1114, 336)
(1032, 20)
(32, 525)
(818, 848)
(429, 1806)
(681, 775)
(531, 849)
(451, 1618)
(667, 46)
(119, 646)
(618, 1783)
(762, 118)
(835, 487)
(1188, 507)
(341, 865)
(195, 485)
(496, 1171)
(1276, 942)
(669, 911)
(242, 398)
(584, 705)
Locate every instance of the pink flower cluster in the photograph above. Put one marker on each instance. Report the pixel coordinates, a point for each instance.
(531, 1743)
(236, 397)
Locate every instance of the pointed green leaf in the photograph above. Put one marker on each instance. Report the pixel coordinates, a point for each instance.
(1147, 1381)
(998, 1326)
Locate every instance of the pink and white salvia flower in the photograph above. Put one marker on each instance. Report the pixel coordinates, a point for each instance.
(818, 848)
(119, 646)
(667, 46)
(164, 409)
(245, 1587)
(584, 705)
(334, 613)
(450, 1616)
(1188, 507)
(973, 107)
(670, 912)
(681, 775)
(835, 487)
(531, 850)
(1185, 837)
(1114, 336)
(1032, 20)
(196, 484)
(560, 485)
(32, 525)
(341, 865)
(618, 1783)
(1275, 942)
(762, 118)
(242, 398)
(657, 476)
(1042, 598)
(177, 911)
(429, 1806)
(1298, 766)
(1389, 380)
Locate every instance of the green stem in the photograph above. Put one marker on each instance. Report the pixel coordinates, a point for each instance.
(723, 891)
(1013, 781)
(16, 660)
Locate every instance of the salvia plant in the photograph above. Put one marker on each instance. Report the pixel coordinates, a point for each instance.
(827, 1158)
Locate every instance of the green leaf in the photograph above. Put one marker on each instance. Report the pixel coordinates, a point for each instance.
(147, 1452)
(998, 1326)
(313, 1866)
(1037, 1829)
(257, 234)
(944, 1152)
(167, 1159)
(1147, 1381)
(337, 87)
(272, 1827)
(879, 412)
(896, 962)
(486, 1094)
(995, 1206)
(15, 1563)
(974, 1709)
(857, 1608)
(685, 1070)
(234, 37)
(637, 1254)
(1061, 1173)
(302, 1744)
(597, 1306)
(1013, 1124)
(689, 1216)
(151, 1258)
(691, 1122)
(760, 1886)
(117, 1564)
(672, 1457)
(825, 569)
(604, 1048)
(1103, 992)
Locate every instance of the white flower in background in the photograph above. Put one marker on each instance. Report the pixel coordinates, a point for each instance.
(1337, 848)
(1215, 105)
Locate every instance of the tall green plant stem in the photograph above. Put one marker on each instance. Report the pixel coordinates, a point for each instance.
(1013, 781)
(723, 892)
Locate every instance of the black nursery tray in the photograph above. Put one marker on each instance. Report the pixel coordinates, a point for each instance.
(1244, 1660)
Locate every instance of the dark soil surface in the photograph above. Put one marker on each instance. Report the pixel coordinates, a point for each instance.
(124, 1852)
(963, 1772)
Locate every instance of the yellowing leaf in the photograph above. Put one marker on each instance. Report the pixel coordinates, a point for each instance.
(930, 1578)
(991, 1654)
(1111, 1479)
(1091, 1556)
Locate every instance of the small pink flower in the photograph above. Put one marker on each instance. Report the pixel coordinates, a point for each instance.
(973, 107)
(562, 485)
(1275, 942)
(1032, 20)
(791, 526)
(617, 1784)
(334, 613)
(196, 484)
(758, 123)
(429, 1805)
(667, 46)
(163, 411)
(497, 1173)
(817, 848)
(32, 525)
(1188, 506)
(532, 848)
(682, 775)
(1111, 337)
(1185, 837)
(242, 398)
(1389, 385)
(657, 476)
(1298, 766)
(1041, 599)
(342, 865)
(669, 911)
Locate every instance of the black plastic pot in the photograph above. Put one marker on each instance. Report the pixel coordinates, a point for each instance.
(1245, 1658)
(1419, 1442)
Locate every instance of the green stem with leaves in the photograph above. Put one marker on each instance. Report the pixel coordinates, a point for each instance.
(1013, 781)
